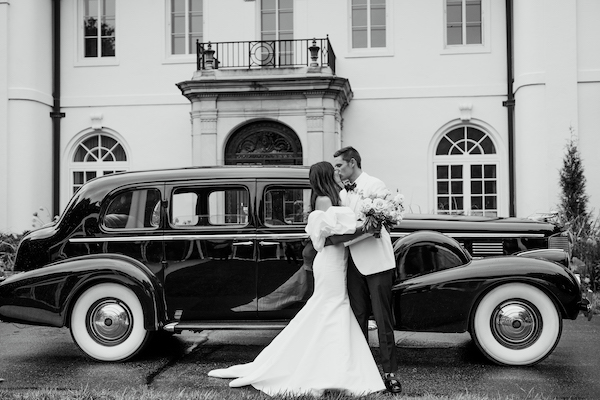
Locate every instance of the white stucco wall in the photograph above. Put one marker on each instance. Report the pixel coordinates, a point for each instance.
(556, 77)
(404, 95)
(28, 124)
(588, 60)
(4, 33)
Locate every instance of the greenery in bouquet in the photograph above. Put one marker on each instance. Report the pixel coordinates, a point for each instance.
(381, 210)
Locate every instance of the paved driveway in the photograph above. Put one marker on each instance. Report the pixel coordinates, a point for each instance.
(442, 364)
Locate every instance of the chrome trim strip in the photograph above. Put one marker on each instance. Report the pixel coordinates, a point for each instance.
(117, 239)
(230, 236)
(479, 235)
(230, 325)
(233, 236)
(282, 236)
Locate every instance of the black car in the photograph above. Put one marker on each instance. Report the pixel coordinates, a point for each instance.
(138, 253)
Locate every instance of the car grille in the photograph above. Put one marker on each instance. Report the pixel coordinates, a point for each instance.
(559, 242)
(483, 249)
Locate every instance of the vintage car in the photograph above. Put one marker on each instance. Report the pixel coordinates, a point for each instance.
(139, 253)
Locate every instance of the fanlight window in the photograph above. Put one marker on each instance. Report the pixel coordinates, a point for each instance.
(95, 156)
(466, 173)
(465, 141)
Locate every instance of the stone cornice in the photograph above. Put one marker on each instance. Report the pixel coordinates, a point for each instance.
(261, 87)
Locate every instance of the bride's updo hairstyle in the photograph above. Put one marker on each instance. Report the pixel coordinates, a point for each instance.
(323, 183)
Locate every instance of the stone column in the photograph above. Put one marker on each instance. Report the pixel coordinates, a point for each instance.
(314, 151)
(546, 94)
(331, 128)
(4, 170)
(204, 131)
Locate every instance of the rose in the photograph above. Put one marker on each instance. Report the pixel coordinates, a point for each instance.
(367, 204)
(399, 198)
(379, 205)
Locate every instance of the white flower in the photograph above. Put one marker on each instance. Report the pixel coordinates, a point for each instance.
(399, 198)
(379, 204)
(366, 204)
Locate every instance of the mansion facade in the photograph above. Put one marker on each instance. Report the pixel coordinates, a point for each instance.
(464, 106)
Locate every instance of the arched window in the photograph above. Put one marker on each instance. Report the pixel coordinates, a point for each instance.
(97, 155)
(466, 173)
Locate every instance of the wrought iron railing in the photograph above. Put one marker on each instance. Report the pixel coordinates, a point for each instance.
(265, 54)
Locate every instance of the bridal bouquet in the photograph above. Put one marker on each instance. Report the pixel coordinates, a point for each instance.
(381, 211)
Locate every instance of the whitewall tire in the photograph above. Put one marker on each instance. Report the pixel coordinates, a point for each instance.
(516, 324)
(107, 323)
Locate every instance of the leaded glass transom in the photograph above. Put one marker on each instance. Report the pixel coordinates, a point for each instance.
(264, 142)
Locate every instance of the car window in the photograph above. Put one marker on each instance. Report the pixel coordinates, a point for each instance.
(209, 206)
(133, 209)
(286, 206)
(426, 258)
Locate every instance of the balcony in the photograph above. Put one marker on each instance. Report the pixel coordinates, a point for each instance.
(265, 54)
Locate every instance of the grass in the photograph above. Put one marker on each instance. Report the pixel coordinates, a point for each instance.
(149, 394)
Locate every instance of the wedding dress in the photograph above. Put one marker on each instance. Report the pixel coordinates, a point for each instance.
(323, 347)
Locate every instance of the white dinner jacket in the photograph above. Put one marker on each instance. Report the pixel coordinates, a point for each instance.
(370, 255)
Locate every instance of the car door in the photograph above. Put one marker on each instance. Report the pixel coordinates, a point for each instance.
(128, 223)
(284, 281)
(209, 247)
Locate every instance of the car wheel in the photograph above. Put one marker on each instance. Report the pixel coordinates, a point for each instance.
(516, 324)
(107, 323)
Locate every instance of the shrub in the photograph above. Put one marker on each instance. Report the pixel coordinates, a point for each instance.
(8, 251)
(575, 218)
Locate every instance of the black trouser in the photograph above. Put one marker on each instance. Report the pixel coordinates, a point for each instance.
(374, 293)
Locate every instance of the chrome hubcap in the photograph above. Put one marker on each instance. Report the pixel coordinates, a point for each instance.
(109, 322)
(516, 324)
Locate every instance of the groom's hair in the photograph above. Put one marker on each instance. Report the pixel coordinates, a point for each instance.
(348, 153)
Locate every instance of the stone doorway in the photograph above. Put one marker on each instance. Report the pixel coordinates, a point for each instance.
(264, 143)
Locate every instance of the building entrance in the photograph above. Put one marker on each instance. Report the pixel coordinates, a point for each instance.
(263, 143)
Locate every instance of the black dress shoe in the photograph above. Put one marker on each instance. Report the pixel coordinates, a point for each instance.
(392, 383)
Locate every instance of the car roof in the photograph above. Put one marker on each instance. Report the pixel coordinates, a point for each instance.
(95, 189)
(192, 173)
(212, 172)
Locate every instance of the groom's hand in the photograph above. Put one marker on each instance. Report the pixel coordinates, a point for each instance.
(370, 229)
(337, 239)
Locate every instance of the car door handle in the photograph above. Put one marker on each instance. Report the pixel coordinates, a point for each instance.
(249, 243)
(268, 243)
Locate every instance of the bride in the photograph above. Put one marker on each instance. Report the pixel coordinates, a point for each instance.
(323, 347)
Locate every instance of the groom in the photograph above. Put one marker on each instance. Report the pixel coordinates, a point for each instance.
(370, 265)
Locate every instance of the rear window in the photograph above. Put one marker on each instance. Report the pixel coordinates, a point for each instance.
(133, 209)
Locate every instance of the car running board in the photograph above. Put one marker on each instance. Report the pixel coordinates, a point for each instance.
(197, 326)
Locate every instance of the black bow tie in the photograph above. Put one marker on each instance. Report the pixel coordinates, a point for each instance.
(350, 186)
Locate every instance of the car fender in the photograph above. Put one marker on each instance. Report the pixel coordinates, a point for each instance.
(558, 256)
(444, 300)
(45, 296)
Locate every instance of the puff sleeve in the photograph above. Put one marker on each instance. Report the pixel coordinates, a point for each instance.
(335, 221)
